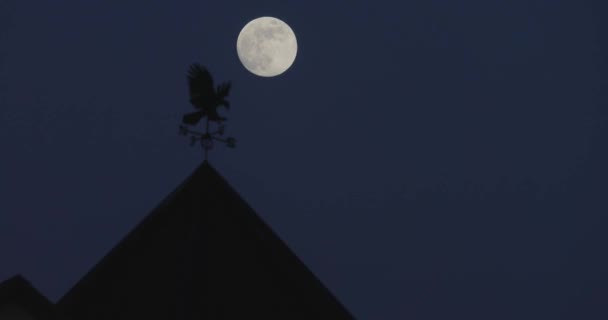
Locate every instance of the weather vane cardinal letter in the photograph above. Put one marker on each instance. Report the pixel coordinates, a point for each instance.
(206, 99)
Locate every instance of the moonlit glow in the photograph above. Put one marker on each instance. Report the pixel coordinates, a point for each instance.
(267, 46)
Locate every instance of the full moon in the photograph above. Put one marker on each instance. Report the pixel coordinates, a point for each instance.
(267, 46)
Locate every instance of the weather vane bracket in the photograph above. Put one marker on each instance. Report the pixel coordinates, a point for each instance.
(207, 139)
(206, 99)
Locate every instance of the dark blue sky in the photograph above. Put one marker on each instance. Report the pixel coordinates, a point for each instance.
(427, 159)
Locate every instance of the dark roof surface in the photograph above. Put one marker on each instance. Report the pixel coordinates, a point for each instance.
(18, 291)
(203, 253)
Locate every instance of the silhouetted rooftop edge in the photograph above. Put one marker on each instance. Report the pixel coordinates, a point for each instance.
(202, 251)
(18, 291)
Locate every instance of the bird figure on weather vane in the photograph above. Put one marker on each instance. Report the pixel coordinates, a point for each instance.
(206, 99)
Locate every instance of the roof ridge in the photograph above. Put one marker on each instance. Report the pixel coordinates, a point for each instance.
(203, 246)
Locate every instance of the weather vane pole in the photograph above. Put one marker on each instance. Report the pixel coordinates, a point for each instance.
(207, 99)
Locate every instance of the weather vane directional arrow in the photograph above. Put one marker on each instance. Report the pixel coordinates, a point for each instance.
(207, 99)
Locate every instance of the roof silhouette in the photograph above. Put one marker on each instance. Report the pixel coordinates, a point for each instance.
(203, 253)
(17, 291)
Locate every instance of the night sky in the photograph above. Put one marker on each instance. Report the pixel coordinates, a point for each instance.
(427, 159)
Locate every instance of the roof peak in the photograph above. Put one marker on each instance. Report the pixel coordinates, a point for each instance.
(201, 250)
(17, 290)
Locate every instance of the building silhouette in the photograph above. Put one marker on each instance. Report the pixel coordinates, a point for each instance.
(203, 253)
(19, 300)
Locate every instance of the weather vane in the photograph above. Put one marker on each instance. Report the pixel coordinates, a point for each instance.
(207, 99)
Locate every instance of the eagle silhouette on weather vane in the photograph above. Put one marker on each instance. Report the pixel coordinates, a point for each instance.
(206, 99)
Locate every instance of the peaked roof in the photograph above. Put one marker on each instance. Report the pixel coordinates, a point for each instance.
(17, 291)
(203, 253)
